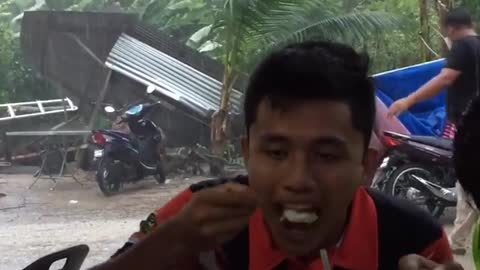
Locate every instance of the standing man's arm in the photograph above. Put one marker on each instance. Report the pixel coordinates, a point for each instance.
(435, 86)
(457, 61)
(431, 89)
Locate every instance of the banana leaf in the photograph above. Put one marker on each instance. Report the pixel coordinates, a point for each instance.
(476, 246)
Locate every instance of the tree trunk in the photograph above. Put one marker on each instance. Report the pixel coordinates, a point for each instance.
(220, 120)
(443, 6)
(425, 53)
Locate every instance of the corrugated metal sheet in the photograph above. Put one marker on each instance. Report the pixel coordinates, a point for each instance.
(175, 80)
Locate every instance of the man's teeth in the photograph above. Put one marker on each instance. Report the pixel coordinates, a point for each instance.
(296, 216)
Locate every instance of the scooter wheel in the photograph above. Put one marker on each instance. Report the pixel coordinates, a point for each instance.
(398, 182)
(104, 179)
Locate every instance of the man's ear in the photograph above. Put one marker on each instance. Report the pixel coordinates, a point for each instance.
(245, 149)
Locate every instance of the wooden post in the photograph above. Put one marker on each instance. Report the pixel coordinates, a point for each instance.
(98, 102)
(6, 148)
(91, 123)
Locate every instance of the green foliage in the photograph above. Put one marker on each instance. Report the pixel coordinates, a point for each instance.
(17, 82)
(179, 18)
(476, 245)
(239, 32)
(401, 47)
(473, 6)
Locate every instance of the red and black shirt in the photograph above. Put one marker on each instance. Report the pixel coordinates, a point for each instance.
(381, 230)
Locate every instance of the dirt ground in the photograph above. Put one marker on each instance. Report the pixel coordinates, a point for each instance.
(39, 221)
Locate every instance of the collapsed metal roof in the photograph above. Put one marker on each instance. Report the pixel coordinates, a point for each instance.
(175, 80)
(70, 50)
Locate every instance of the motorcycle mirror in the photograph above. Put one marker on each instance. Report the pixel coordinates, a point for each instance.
(109, 109)
(151, 89)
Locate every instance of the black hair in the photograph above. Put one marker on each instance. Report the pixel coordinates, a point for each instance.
(317, 70)
(466, 150)
(458, 17)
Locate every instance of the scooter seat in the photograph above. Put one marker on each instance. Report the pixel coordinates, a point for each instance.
(120, 134)
(434, 141)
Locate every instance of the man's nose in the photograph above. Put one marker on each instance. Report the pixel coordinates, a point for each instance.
(300, 177)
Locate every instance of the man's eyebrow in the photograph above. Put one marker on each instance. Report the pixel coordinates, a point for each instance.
(329, 140)
(324, 140)
(273, 138)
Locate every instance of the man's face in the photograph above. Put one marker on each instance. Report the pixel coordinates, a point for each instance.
(452, 33)
(448, 42)
(308, 158)
(456, 33)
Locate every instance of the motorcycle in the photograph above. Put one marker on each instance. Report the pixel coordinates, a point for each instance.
(127, 158)
(420, 169)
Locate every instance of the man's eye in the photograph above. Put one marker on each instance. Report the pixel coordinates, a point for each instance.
(276, 154)
(326, 156)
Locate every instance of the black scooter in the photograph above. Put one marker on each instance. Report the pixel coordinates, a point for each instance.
(420, 169)
(128, 158)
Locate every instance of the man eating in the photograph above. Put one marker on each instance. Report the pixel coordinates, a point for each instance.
(309, 111)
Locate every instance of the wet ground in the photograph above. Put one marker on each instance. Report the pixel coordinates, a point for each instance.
(39, 221)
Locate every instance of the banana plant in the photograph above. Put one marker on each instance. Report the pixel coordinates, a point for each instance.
(243, 30)
(476, 246)
(474, 8)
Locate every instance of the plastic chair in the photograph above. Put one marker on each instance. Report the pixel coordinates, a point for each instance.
(74, 259)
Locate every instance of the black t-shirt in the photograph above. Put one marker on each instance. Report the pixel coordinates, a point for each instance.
(464, 56)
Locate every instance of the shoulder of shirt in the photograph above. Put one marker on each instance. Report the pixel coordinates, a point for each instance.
(401, 209)
(466, 42)
(209, 183)
(402, 222)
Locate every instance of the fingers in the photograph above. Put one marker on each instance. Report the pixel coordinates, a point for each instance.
(220, 213)
(390, 115)
(211, 232)
(230, 195)
(228, 226)
(449, 266)
(416, 262)
(392, 111)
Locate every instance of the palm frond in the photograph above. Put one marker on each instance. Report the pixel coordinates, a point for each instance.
(245, 16)
(356, 25)
(248, 27)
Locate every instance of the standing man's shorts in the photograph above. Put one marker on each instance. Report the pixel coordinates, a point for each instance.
(449, 131)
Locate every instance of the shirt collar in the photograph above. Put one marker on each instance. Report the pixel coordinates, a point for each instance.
(357, 250)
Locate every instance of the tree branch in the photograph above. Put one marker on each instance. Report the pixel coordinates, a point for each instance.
(428, 47)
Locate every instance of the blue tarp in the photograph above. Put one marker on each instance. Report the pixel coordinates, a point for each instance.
(426, 118)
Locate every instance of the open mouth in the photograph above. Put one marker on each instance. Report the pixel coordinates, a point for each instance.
(298, 217)
(297, 222)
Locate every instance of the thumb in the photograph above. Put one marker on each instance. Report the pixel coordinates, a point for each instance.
(449, 266)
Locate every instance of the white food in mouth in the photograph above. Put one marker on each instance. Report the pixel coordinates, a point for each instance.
(295, 216)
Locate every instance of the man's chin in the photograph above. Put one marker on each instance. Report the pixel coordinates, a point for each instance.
(296, 250)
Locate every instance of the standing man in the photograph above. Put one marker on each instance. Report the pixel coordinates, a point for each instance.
(461, 76)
